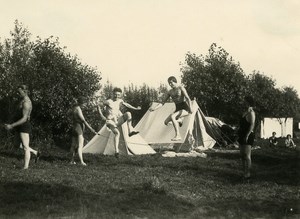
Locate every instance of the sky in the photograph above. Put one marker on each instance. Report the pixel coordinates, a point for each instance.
(145, 41)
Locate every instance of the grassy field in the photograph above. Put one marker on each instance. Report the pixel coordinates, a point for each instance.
(150, 186)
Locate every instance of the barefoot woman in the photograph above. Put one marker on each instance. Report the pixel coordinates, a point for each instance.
(246, 136)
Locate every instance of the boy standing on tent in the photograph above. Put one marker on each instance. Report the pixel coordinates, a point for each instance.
(182, 103)
(114, 117)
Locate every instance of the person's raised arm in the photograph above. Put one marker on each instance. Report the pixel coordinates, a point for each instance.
(80, 114)
(131, 107)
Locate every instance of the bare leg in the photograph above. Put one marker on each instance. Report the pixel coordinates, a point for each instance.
(176, 127)
(180, 116)
(27, 149)
(80, 146)
(246, 160)
(74, 145)
(128, 117)
(116, 139)
(168, 120)
(175, 117)
(116, 132)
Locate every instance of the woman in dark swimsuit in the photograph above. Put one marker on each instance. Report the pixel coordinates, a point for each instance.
(246, 136)
(78, 126)
(23, 126)
(182, 103)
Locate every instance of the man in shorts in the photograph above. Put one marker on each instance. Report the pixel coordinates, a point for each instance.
(114, 118)
(182, 102)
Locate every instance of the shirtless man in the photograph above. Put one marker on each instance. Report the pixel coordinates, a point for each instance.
(114, 117)
(182, 102)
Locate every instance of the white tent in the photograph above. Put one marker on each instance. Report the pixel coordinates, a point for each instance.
(282, 127)
(103, 143)
(154, 131)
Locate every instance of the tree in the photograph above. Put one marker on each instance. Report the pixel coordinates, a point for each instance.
(271, 101)
(54, 77)
(217, 82)
(263, 90)
(15, 55)
(289, 103)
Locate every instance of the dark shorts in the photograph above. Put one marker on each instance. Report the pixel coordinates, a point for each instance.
(24, 128)
(182, 106)
(250, 140)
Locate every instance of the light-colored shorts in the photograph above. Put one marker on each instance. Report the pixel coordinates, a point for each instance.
(113, 123)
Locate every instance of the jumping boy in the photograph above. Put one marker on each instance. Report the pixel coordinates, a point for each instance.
(114, 118)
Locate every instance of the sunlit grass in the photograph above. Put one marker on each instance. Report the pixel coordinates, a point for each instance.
(150, 186)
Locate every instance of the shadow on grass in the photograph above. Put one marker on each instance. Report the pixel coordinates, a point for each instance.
(39, 200)
(48, 156)
(223, 155)
(269, 165)
(17, 153)
(241, 208)
(280, 168)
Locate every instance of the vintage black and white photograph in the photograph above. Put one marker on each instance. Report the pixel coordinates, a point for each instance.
(146, 109)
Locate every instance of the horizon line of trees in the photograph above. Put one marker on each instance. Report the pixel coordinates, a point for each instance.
(220, 85)
(56, 77)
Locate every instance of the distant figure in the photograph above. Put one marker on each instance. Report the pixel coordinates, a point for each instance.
(273, 140)
(182, 102)
(289, 142)
(78, 127)
(22, 125)
(246, 136)
(114, 118)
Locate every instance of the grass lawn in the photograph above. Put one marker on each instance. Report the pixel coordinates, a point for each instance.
(150, 186)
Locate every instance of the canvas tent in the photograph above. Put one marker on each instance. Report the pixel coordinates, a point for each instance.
(154, 131)
(103, 143)
(223, 133)
(282, 127)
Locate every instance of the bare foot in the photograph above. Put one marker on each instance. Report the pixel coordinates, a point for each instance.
(180, 123)
(37, 156)
(133, 133)
(176, 138)
(169, 123)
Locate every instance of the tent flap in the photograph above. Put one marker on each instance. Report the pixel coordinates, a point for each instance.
(103, 143)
